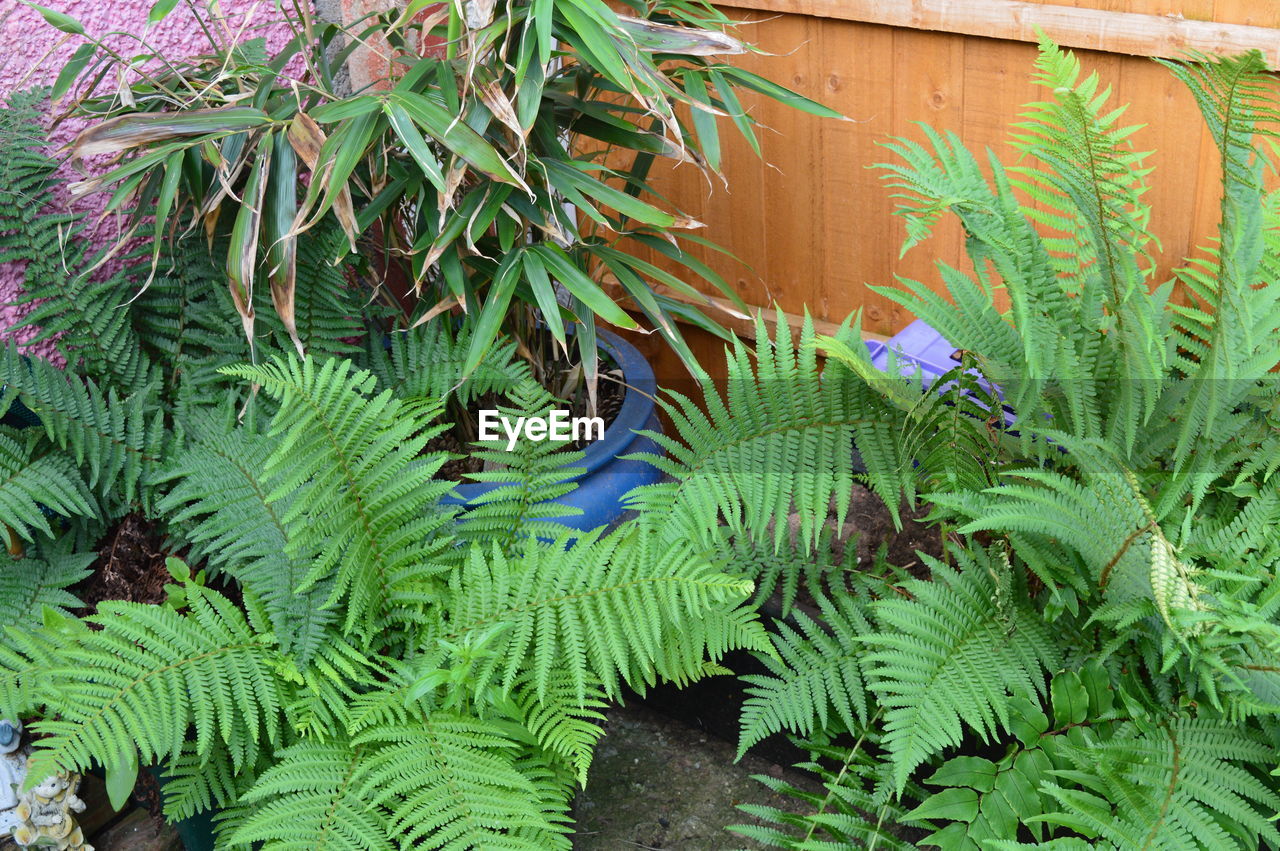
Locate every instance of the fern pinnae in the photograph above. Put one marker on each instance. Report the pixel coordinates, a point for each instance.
(949, 654)
(813, 675)
(392, 534)
(220, 493)
(148, 665)
(309, 801)
(28, 585)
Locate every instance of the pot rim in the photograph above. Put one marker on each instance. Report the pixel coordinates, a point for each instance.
(639, 394)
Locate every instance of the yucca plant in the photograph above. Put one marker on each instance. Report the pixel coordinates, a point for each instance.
(1092, 662)
(504, 170)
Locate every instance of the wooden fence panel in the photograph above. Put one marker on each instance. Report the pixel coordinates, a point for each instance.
(814, 225)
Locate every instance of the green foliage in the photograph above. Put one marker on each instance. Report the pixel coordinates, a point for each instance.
(514, 212)
(30, 584)
(1093, 662)
(815, 675)
(365, 514)
(524, 480)
(951, 655)
(381, 668)
(220, 483)
(778, 439)
(607, 610)
(35, 483)
(135, 685)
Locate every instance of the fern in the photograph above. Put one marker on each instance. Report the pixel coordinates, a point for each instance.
(952, 656)
(564, 721)
(28, 585)
(69, 300)
(427, 362)
(621, 608)
(118, 441)
(310, 799)
(136, 684)
(34, 485)
(526, 480)
(1183, 784)
(446, 779)
(814, 675)
(366, 509)
(195, 782)
(221, 491)
(854, 810)
(779, 440)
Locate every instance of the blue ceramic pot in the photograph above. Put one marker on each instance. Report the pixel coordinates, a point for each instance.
(605, 478)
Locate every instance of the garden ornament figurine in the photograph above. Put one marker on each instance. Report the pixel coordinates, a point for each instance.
(45, 815)
(13, 771)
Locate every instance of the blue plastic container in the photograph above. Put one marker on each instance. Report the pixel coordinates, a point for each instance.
(605, 478)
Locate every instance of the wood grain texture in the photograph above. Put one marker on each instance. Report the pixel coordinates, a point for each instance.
(1115, 31)
(813, 222)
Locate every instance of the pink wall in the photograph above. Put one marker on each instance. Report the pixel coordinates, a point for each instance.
(25, 39)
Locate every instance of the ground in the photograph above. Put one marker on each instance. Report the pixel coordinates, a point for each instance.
(658, 784)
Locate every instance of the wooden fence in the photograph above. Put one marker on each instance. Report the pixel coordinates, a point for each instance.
(814, 224)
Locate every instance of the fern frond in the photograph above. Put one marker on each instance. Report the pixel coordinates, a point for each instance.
(814, 673)
(28, 585)
(365, 507)
(527, 479)
(310, 800)
(427, 362)
(196, 783)
(779, 440)
(623, 608)
(563, 721)
(1188, 783)
(451, 781)
(950, 657)
(854, 809)
(35, 484)
(118, 440)
(219, 499)
(67, 303)
(149, 673)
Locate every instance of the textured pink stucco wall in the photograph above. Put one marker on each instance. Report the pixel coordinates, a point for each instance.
(32, 53)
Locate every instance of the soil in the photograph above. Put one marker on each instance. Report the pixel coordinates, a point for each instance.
(870, 526)
(130, 566)
(658, 784)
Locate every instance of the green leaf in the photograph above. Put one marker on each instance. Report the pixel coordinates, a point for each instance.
(1027, 721)
(558, 263)
(57, 20)
(345, 110)
(1070, 699)
(164, 201)
(446, 129)
(959, 804)
(413, 141)
(494, 310)
(84, 53)
(782, 94)
(572, 173)
(160, 10)
(177, 568)
(544, 295)
(972, 771)
(704, 121)
(121, 778)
